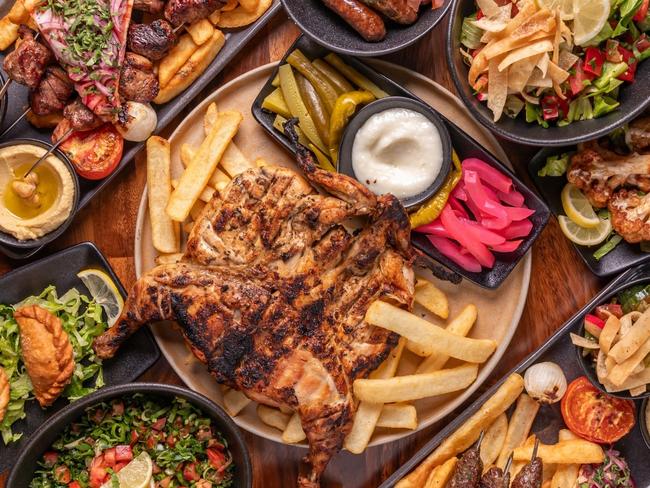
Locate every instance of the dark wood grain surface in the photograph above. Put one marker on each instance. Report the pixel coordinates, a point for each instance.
(560, 282)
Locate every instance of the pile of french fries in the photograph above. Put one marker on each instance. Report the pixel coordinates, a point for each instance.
(505, 437)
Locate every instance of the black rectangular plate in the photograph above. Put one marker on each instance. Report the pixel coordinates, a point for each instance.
(621, 258)
(236, 39)
(61, 269)
(560, 350)
(464, 145)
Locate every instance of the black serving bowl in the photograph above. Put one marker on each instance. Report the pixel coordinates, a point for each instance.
(633, 98)
(11, 241)
(347, 142)
(645, 428)
(328, 29)
(24, 467)
(586, 362)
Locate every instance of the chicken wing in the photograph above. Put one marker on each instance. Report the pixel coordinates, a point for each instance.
(630, 215)
(46, 350)
(4, 393)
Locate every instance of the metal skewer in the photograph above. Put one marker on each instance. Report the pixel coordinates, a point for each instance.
(15, 122)
(5, 87)
(49, 151)
(535, 449)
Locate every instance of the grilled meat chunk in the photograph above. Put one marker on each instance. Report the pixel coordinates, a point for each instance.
(81, 118)
(151, 6)
(4, 393)
(640, 134)
(599, 173)
(153, 40)
(530, 475)
(272, 291)
(52, 92)
(26, 64)
(138, 82)
(495, 478)
(630, 215)
(467, 473)
(187, 11)
(46, 351)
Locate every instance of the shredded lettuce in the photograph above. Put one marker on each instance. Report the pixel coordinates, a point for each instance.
(627, 10)
(555, 165)
(604, 105)
(470, 35)
(82, 320)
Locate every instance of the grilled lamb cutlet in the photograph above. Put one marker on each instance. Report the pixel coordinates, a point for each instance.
(640, 134)
(81, 118)
(272, 292)
(599, 173)
(151, 6)
(52, 93)
(153, 40)
(138, 82)
(26, 64)
(187, 11)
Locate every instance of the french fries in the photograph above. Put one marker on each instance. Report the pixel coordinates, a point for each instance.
(520, 424)
(240, 16)
(398, 416)
(219, 180)
(200, 31)
(234, 162)
(176, 58)
(430, 338)
(565, 475)
(416, 386)
(273, 417)
(191, 69)
(578, 451)
(210, 117)
(8, 33)
(197, 174)
(468, 433)
(18, 14)
(293, 433)
(431, 298)
(441, 475)
(494, 439)
(234, 401)
(163, 229)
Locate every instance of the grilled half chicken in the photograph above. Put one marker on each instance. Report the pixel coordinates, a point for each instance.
(46, 350)
(272, 292)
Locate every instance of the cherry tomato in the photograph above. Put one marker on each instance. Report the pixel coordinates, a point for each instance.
(74, 484)
(50, 458)
(595, 416)
(159, 424)
(62, 474)
(123, 453)
(216, 458)
(96, 153)
(98, 472)
(189, 472)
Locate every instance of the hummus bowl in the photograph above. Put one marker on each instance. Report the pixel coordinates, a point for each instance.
(28, 226)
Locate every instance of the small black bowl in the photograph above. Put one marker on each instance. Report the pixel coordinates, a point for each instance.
(633, 98)
(329, 30)
(586, 362)
(643, 416)
(24, 467)
(347, 142)
(8, 239)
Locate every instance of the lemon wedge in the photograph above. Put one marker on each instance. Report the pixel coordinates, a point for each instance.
(565, 6)
(103, 290)
(582, 235)
(577, 207)
(136, 474)
(589, 17)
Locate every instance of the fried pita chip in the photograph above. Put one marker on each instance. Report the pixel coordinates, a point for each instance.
(520, 72)
(497, 89)
(525, 52)
(497, 23)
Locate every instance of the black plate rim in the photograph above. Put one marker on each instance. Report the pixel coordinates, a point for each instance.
(76, 408)
(371, 51)
(481, 113)
(8, 239)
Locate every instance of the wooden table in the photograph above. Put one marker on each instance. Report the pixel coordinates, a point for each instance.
(559, 285)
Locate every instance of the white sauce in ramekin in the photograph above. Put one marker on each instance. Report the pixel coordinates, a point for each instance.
(397, 151)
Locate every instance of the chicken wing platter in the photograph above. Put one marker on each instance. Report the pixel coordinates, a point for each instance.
(102, 84)
(47, 325)
(598, 189)
(549, 423)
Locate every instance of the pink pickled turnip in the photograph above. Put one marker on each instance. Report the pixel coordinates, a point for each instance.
(488, 174)
(507, 246)
(459, 232)
(453, 251)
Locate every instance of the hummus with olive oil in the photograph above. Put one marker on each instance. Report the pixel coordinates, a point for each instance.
(49, 197)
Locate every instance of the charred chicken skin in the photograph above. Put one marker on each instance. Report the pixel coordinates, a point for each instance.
(272, 292)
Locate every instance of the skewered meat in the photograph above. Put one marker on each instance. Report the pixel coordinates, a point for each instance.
(401, 11)
(467, 473)
(52, 93)
(640, 134)
(26, 63)
(630, 215)
(361, 18)
(153, 40)
(530, 475)
(151, 6)
(187, 11)
(495, 478)
(81, 118)
(599, 173)
(4, 393)
(46, 351)
(138, 82)
(272, 292)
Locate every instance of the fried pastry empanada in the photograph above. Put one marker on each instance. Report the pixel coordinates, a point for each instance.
(4, 393)
(47, 352)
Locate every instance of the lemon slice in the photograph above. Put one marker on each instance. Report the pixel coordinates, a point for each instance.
(577, 207)
(104, 291)
(136, 474)
(589, 17)
(565, 6)
(583, 236)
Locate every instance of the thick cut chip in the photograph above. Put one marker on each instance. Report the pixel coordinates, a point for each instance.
(564, 452)
(179, 54)
(293, 432)
(398, 416)
(240, 17)
(520, 424)
(441, 475)
(494, 439)
(431, 298)
(273, 417)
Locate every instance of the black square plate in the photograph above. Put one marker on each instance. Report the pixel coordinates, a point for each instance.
(621, 258)
(465, 146)
(61, 269)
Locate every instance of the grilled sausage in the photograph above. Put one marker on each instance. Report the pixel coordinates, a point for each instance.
(362, 19)
(403, 12)
(495, 478)
(530, 475)
(467, 473)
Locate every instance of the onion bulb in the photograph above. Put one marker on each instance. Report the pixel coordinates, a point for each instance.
(545, 382)
(141, 122)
